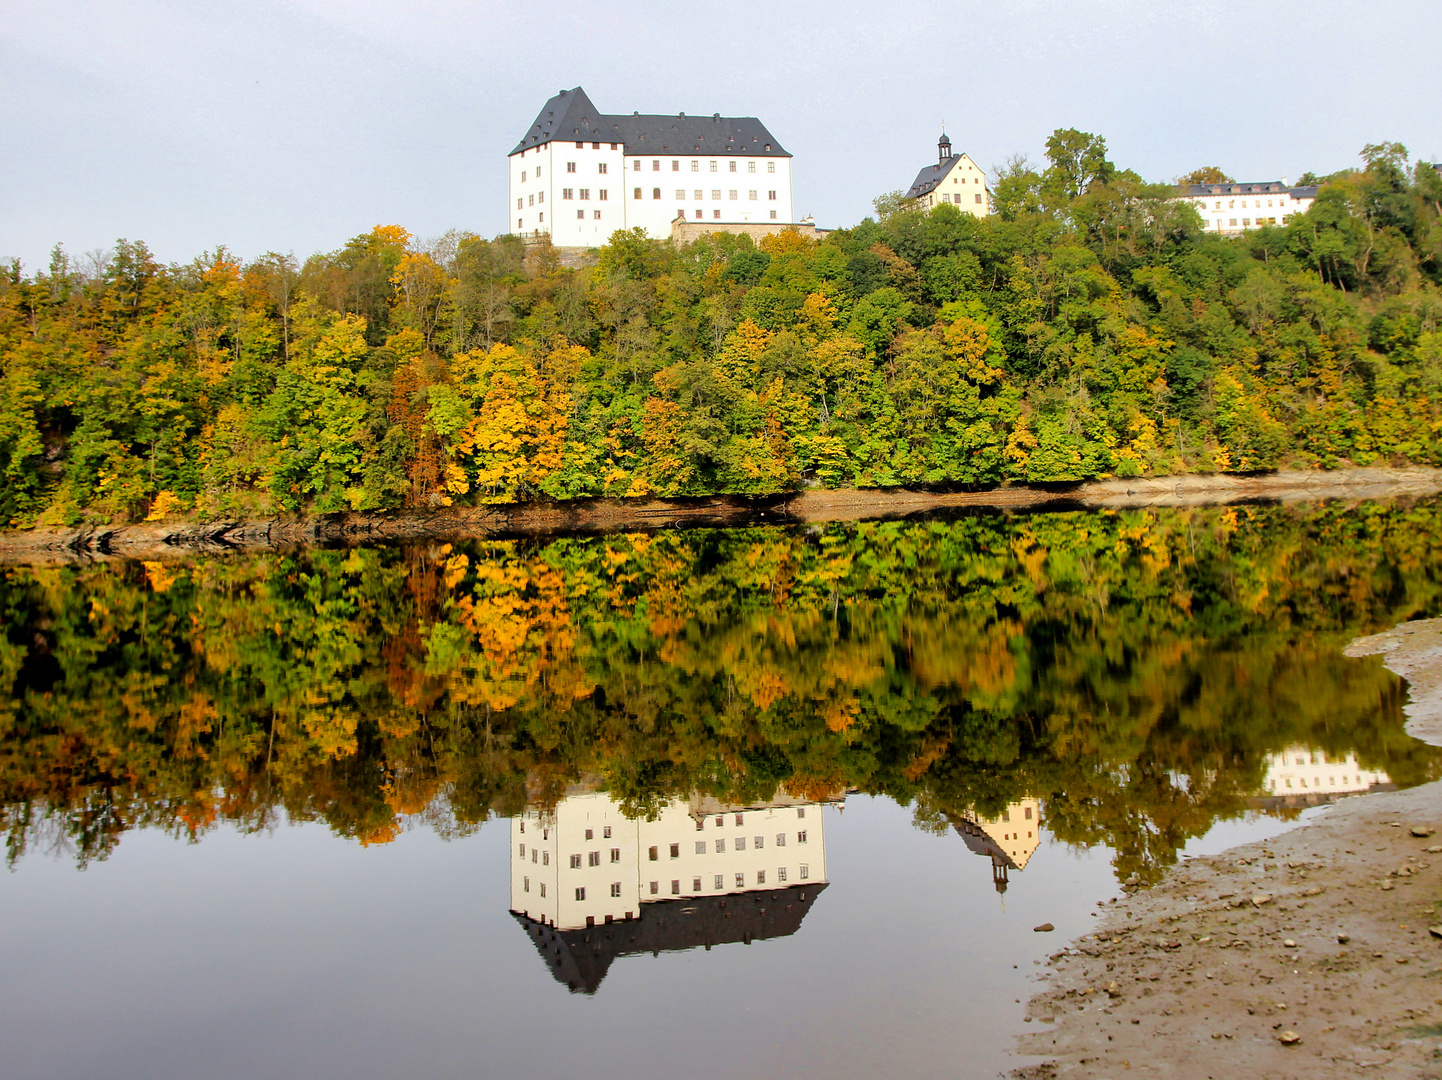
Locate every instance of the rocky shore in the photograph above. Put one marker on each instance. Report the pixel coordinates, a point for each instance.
(1316, 954)
(178, 539)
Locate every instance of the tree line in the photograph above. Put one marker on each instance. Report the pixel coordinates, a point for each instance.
(1089, 327)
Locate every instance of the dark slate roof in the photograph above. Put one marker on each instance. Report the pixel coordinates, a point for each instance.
(931, 176)
(981, 843)
(570, 115)
(1266, 187)
(579, 959)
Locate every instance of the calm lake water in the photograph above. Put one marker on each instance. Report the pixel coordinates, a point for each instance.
(730, 803)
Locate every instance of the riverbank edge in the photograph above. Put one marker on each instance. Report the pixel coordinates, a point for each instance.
(1325, 933)
(161, 539)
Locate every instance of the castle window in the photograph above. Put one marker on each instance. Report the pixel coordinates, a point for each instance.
(538, 172)
(575, 862)
(596, 214)
(656, 165)
(580, 146)
(525, 884)
(568, 193)
(593, 858)
(805, 871)
(682, 195)
(720, 846)
(771, 195)
(637, 193)
(720, 882)
(675, 887)
(601, 195)
(978, 198)
(675, 851)
(695, 166)
(654, 853)
(523, 851)
(675, 165)
(781, 874)
(615, 854)
(700, 847)
(698, 215)
(518, 223)
(716, 194)
(637, 166)
(601, 168)
(615, 888)
(781, 839)
(581, 894)
(586, 194)
(771, 166)
(523, 176)
(801, 837)
(740, 843)
(751, 194)
(716, 214)
(695, 884)
(760, 877)
(531, 200)
(543, 890)
(732, 194)
(655, 193)
(713, 166)
(758, 842)
(655, 887)
(700, 194)
(520, 203)
(541, 197)
(580, 215)
(545, 857)
(732, 164)
(751, 166)
(595, 146)
(741, 881)
(613, 146)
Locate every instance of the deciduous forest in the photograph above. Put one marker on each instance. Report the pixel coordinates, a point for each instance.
(1132, 670)
(1088, 328)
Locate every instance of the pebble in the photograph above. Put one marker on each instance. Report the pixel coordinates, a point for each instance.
(1044, 928)
(1289, 1038)
(1342, 939)
(1421, 831)
(1262, 898)
(1289, 944)
(1435, 931)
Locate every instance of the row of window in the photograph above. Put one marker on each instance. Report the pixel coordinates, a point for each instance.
(585, 193)
(803, 873)
(1232, 203)
(593, 858)
(541, 198)
(715, 214)
(945, 197)
(1303, 782)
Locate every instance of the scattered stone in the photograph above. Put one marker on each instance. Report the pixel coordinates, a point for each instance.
(1289, 944)
(1435, 931)
(1261, 898)
(1342, 939)
(1387, 886)
(1315, 890)
(1044, 928)
(1435, 849)
(1289, 1038)
(1422, 831)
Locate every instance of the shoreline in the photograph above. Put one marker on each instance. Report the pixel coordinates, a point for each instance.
(161, 540)
(1330, 932)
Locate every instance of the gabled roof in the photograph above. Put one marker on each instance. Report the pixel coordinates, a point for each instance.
(579, 959)
(933, 175)
(1265, 187)
(571, 116)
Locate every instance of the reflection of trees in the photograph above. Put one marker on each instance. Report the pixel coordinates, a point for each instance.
(1130, 669)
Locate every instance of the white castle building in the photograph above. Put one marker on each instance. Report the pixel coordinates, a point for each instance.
(579, 174)
(590, 884)
(953, 179)
(1235, 208)
(1298, 771)
(1008, 840)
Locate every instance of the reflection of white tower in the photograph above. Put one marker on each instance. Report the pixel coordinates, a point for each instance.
(1302, 772)
(590, 884)
(1008, 839)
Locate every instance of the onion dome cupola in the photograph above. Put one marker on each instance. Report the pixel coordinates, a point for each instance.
(943, 148)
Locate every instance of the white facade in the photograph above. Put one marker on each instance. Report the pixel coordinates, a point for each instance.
(642, 172)
(586, 863)
(1232, 209)
(1298, 770)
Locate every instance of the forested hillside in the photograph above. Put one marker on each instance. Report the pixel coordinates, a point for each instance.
(1088, 328)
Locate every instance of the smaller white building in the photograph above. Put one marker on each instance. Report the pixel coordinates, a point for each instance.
(1299, 770)
(1232, 209)
(954, 180)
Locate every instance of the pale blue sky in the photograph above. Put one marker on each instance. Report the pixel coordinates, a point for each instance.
(295, 124)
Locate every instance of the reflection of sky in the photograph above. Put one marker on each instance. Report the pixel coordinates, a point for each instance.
(299, 954)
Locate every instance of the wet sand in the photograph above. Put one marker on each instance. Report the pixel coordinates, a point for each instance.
(179, 539)
(1312, 954)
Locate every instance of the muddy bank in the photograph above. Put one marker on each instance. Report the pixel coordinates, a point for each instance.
(159, 540)
(1313, 954)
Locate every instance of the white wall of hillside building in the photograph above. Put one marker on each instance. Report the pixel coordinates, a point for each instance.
(1235, 208)
(625, 863)
(964, 186)
(1299, 770)
(583, 194)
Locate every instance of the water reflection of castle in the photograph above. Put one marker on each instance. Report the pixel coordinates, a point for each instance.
(589, 884)
(1008, 840)
(1300, 776)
